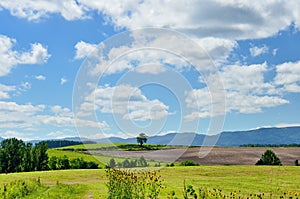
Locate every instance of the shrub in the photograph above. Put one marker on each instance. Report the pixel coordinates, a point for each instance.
(268, 158)
(20, 188)
(189, 163)
(130, 184)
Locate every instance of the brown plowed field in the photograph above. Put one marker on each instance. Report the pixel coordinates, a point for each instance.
(215, 156)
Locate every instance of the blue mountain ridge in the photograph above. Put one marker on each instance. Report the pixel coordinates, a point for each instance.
(274, 136)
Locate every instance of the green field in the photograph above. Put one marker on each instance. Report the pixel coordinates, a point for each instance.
(116, 146)
(243, 180)
(102, 160)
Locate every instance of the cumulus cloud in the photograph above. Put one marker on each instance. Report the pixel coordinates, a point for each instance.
(9, 58)
(151, 69)
(164, 48)
(84, 49)
(218, 18)
(124, 100)
(5, 90)
(14, 116)
(288, 76)
(35, 10)
(246, 91)
(256, 51)
(203, 18)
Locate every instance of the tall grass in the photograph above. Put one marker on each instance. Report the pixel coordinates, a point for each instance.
(133, 184)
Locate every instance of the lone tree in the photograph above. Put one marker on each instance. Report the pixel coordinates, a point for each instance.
(141, 139)
(269, 158)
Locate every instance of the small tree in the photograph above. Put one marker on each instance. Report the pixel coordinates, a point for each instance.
(141, 139)
(269, 158)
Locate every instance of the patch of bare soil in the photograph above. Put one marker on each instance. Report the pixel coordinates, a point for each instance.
(212, 156)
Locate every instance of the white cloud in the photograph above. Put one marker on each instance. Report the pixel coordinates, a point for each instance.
(288, 76)
(5, 90)
(63, 81)
(245, 89)
(20, 117)
(246, 79)
(37, 55)
(16, 134)
(9, 58)
(283, 125)
(56, 134)
(127, 101)
(40, 77)
(84, 49)
(151, 69)
(203, 18)
(163, 48)
(228, 19)
(217, 48)
(256, 51)
(274, 52)
(34, 10)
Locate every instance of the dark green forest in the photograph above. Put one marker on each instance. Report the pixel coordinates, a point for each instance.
(18, 156)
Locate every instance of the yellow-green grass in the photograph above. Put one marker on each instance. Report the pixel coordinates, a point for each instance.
(114, 146)
(244, 179)
(92, 146)
(102, 160)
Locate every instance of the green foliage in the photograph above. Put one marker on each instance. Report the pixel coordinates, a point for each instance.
(269, 158)
(141, 162)
(63, 143)
(62, 163)
(16, 156)
(33, 189)
(128, 184)
(40, 156)
(170, 165)
(189, 191)
(189, 163)
(141, 139)
(74, 191)
(12, 153)
(20, 188)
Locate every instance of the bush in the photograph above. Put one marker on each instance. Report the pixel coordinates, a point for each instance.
(20, 188)
(269, 158)
(127, 163)
(133, 185)
(189, 163)
(56, 163)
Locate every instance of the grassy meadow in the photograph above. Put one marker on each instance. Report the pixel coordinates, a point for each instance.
(102, 160)
(240, 180)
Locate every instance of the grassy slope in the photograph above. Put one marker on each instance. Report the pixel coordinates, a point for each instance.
(118, 146)
(101, 160)
(247, 179)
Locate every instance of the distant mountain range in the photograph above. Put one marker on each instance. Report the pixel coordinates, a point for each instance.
(288, 135)
(274, 136)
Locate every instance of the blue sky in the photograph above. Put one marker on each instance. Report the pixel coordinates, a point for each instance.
(95, 69)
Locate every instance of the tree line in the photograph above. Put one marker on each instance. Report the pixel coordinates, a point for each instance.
(61, 143)
(17, 156)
